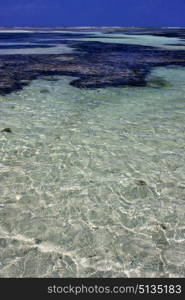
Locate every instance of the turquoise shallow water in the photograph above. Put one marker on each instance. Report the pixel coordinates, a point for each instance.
(93, 181)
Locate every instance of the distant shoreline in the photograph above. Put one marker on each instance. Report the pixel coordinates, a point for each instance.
(81, 28)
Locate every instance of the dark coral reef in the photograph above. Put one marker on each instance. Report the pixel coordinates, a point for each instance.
(95, 64)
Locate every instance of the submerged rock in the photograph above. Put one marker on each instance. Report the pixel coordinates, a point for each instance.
(141, 182)
(44, 91)
(163, 226)
(8, 130)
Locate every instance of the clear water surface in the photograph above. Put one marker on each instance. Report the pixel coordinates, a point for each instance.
(92, 182)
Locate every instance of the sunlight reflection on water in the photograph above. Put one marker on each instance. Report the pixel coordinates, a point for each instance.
(92, 181)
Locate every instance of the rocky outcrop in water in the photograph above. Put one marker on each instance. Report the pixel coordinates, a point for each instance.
(95, 64)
